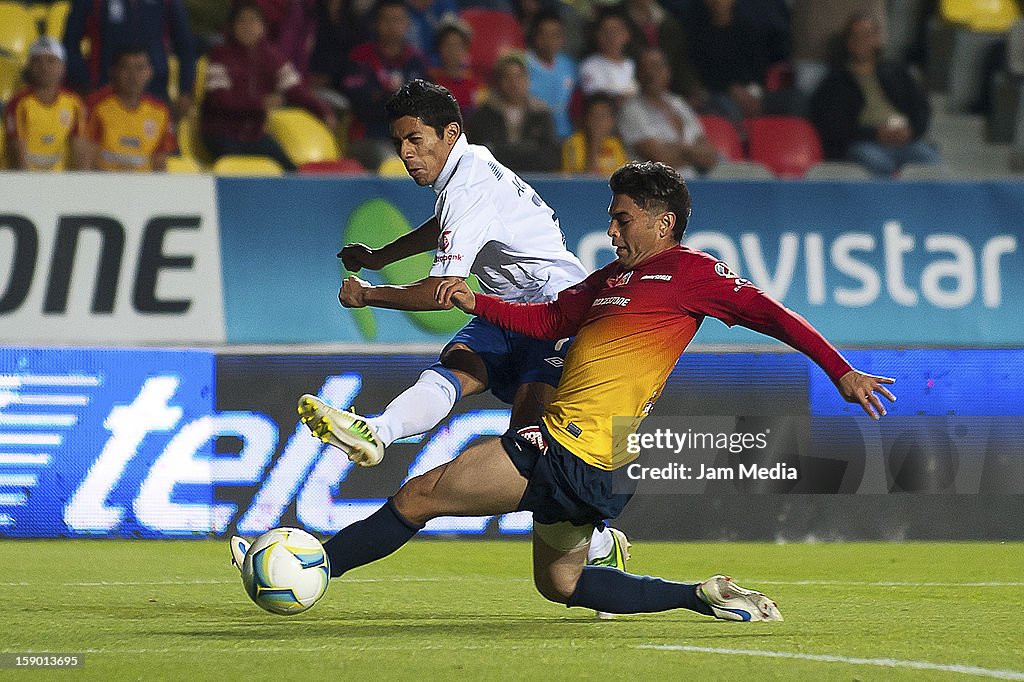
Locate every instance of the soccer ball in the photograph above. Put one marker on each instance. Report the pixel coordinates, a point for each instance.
(285, 571)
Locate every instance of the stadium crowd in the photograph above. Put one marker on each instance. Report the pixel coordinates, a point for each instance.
(742, 87)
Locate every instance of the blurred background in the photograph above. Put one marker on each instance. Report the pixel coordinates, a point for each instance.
(179, 175)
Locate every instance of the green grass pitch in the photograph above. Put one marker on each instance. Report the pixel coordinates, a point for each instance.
(445, 609)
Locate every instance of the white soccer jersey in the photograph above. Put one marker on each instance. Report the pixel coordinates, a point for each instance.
(497, 227)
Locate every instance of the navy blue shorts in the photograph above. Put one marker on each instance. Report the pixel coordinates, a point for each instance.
(511, 359)
(561, 486)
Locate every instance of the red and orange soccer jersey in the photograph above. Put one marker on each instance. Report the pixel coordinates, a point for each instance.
(631, 326)
(128, 139)
(45, 130)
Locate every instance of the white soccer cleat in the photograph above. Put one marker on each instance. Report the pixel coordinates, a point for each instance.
(616, 558)
(343, 429)
(239, 546)
(729, 601)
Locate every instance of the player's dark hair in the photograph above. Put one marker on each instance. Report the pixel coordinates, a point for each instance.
(655, 187)
(429, 102)
(245, 5)
(384, 4)
(129, 50)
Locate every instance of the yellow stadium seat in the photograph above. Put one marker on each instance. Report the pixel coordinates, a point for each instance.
(57, 18)
(303, 137)
(242, 164)
(190, 144)
(392, 167)
(183, 164)
(10, 77)
(17, 30)
(983, 16)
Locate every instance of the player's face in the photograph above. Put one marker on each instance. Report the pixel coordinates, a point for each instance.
(131, 74)
(46, 70)
(421, 149)
(637, 234)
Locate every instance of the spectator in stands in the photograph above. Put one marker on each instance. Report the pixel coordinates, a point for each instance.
(454, 71)
(44, 122)
(652, 26)
(129, 129)
(425, 19)
(335, 37)
(375, 70)
(816, 25)
(595, 148)
(659, 125)
(517, 128)
(245, 79)
(291, 29)
(732, 56)
(610, 69)
(552, 72)
(112, 25)
(871, 111)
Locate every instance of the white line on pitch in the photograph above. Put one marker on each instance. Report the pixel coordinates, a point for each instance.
(849, 660)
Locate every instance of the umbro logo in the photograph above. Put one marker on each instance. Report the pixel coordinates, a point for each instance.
(555, 361)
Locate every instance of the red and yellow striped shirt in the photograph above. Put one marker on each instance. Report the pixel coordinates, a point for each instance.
(45, 130)
(128, 139)
(631, 326)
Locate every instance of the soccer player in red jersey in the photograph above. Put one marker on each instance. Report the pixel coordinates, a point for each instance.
(632, 320)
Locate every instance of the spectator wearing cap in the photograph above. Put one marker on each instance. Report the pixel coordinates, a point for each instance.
(113, 25)
(517, 128)
(552, 72)
(44, 122)
(454, 71)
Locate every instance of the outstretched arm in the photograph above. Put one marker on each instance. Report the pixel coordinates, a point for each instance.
(423, 238)
(556, 319)
(765, 315)
(358, 293)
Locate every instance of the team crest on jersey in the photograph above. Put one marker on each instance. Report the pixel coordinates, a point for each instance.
(723, 270)
(65, 118)
(443, 243)
(533, 435)
(620, 280)
(150, 128)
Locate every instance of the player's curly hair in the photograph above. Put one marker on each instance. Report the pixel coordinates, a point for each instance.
(431, 103)
(655, 188)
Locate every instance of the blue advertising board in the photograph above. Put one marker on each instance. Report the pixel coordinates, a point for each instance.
(869, 263)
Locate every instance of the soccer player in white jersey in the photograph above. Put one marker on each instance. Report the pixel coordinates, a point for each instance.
(488, 222)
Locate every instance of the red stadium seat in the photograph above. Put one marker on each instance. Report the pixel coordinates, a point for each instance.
(789, 145)
(494, 33)
(336, 167)
(721, 133)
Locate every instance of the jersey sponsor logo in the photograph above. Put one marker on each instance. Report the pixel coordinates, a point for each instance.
(443, 243)
(613, 300)
(723, 270)
(660, 278)
(620, 280)
(444, 259)
(574, 430)
(533, 435)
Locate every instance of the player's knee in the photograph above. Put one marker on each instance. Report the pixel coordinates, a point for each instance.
(554, 588)
(415, 500)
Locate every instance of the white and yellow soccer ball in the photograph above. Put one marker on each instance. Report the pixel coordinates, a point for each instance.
(286, 571)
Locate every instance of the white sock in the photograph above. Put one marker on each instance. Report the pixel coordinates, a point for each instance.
(417, 409)
(601, 544)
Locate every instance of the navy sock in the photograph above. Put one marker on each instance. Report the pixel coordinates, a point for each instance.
(613, 591)
(375, 537)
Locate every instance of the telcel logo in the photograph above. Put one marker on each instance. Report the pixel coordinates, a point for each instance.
(306, 471)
